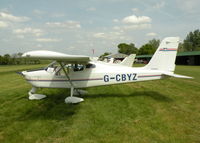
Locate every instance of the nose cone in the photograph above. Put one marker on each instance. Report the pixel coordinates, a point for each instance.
(20, 73)
(23, 73)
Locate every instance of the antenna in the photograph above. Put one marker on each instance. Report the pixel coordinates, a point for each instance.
(93, 51)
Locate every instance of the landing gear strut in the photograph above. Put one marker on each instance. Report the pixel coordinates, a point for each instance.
(72, 99)
(33, 96)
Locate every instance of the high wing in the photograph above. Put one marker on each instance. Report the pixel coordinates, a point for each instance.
(60, 57)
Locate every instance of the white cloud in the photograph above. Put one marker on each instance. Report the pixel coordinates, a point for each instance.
(3, 24)
(189, 6)
(124, 28)
(159, 5)
(137, 27)
(117, 28)
(134, 23)
(39, 46)
(29, 30)
(57, 15)
(38, 12)
(100, 35)
(116, 20)
(48, 40)
(136, 19)
(151, 34)
(71, 47)
(108, 35)
(91, 9)
(5, 10)
(10, 17)
(20, 36)
(67, 24)
(115, 33)
(135, 9)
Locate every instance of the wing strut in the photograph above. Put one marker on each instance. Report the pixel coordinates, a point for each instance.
(66, 74)
(71, 98)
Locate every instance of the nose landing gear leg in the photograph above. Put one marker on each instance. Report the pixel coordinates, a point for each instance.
(33, 96)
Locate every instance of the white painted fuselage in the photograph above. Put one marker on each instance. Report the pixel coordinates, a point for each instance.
(100, 74)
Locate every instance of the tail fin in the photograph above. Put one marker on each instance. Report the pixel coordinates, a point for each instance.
(128, 61)
(165, 56)
(111, 60)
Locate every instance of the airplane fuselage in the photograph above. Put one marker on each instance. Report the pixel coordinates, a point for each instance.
(100, 74)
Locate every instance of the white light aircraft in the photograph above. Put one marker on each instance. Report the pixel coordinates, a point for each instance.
(77, 71)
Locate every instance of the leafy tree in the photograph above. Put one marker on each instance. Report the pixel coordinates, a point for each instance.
(15, 59)
(192, 41)
(6, 59)
(146, 49)
(1, 60)
(180, 47)
(127, 48)
(149, 48)
(154, 43)
(103, 55)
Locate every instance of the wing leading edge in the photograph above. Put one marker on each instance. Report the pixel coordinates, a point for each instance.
(60, 57)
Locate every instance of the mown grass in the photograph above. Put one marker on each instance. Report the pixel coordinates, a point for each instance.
(156, 111)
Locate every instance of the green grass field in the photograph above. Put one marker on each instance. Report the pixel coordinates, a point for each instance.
(162, 111)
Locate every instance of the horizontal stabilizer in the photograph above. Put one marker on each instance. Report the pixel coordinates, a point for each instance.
(176, 75)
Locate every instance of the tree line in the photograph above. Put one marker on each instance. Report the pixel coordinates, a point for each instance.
(16, 59)
(191, 43)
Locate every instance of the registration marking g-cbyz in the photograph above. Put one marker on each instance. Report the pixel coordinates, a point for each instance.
(121, 77)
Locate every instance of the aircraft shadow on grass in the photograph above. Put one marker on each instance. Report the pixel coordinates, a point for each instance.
(154, 95)
(53, 107)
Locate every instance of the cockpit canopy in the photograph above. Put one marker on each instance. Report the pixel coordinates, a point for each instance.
(56, 68)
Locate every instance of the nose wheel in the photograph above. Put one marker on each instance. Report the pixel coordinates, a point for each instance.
(33, 96)
(73, 99)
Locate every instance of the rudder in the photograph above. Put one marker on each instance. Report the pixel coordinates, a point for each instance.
(165, 56)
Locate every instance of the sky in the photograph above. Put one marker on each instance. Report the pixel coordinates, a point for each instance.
(78, 27)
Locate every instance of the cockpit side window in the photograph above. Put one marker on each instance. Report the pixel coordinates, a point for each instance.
(90, 66)
(59, 71)
(70, 67)
(78, 67)
(53, 67)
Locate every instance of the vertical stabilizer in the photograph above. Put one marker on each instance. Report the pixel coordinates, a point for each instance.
(128, 61)
(165, 56)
